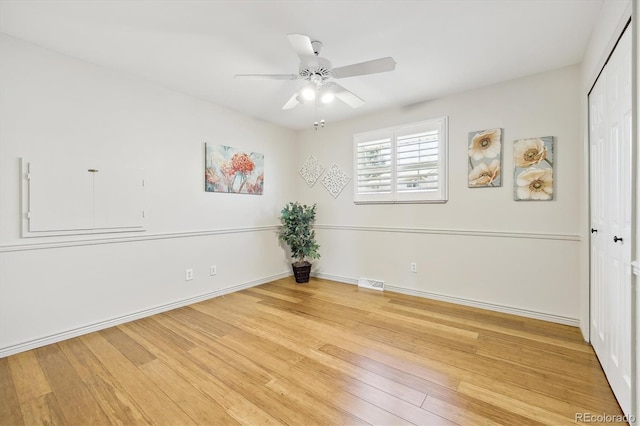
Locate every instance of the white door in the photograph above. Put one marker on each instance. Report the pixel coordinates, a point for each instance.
(610, 149)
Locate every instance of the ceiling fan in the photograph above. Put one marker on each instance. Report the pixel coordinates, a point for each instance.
(317, 71)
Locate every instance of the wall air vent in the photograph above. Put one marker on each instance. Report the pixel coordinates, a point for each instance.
(371, 284)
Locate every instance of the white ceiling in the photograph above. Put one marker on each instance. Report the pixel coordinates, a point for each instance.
(196, 47)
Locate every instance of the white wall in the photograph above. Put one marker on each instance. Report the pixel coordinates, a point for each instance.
(481, 247)
(54, 107)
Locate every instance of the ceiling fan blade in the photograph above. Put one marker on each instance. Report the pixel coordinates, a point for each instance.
(363, 68)
(346, 96)
(294, 101)
(303, 48)
(267, 76)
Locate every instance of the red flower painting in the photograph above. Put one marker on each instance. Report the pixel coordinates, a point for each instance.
(232, 171)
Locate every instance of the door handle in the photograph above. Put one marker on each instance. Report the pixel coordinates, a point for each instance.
(594, 231)
(616, 239)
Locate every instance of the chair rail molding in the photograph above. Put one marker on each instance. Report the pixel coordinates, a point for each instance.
(132, 238)
(463, 232)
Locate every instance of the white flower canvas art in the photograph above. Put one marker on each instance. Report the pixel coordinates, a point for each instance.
(485, 158)
(533, 169)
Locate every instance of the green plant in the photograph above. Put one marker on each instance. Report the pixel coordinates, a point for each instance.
(296, 231)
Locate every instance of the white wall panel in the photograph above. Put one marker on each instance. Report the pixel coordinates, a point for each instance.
(529, 276)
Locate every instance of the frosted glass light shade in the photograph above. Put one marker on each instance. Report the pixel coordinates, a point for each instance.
(327, 97)
(308, 93)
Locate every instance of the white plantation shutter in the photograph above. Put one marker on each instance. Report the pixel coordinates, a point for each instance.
(374, 167)
(417, 162)
(402, 164)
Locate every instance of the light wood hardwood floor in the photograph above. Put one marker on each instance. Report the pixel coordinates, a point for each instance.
(319, 353)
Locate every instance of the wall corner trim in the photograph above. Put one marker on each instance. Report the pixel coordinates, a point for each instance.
(635, 267)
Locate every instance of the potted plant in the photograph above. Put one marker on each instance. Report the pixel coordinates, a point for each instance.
(296, 232)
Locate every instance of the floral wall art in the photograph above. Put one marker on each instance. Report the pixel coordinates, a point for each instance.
(533, 169)
(233, 171)
(485, 158)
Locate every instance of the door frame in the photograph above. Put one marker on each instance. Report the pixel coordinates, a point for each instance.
(626, 23)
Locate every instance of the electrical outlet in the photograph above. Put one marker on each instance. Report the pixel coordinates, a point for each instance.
(213, 270)
(188, 274)
(414, 267)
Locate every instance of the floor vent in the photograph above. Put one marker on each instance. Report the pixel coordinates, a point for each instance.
(371, 284)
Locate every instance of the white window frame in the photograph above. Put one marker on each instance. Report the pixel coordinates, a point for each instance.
(439, 195)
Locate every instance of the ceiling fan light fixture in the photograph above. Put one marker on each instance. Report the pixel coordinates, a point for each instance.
(309, 93)
(327, 97)
(317, 72)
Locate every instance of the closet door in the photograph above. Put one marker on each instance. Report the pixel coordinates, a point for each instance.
(610, 158)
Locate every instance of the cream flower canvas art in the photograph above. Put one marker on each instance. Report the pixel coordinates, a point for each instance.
(533, 169)
(485, 158)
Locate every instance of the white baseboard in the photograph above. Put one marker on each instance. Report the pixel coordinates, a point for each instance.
(465, 302)
(68, 334)
(338, 278)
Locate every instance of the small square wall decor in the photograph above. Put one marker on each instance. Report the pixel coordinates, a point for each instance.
(533, 169)
(311, 170)
(229, 170)
(485, 158)
(335, 180)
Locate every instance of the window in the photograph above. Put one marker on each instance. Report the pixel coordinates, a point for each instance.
(404, 164)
